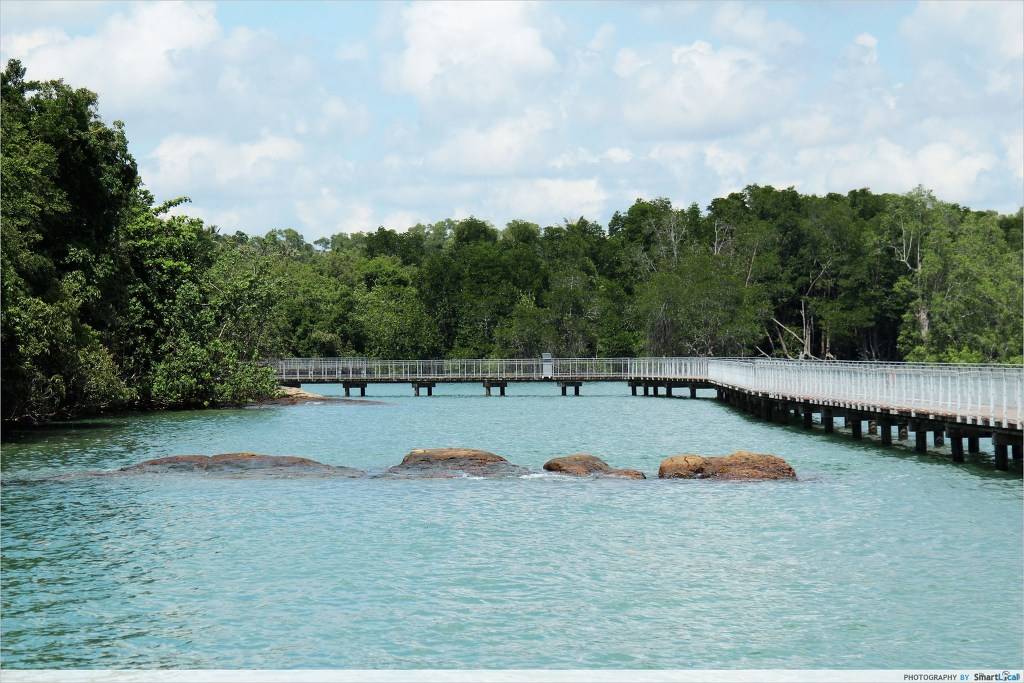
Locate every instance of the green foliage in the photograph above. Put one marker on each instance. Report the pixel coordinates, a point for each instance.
(110, 302)
(106, 304)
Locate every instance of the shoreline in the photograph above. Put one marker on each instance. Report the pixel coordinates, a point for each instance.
(284, 396)
(291, 396)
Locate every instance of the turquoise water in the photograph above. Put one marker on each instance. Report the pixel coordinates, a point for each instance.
(875, 558)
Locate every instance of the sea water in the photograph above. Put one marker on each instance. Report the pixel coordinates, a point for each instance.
(874, 558)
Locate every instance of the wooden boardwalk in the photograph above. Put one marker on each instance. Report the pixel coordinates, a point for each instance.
(965, 401)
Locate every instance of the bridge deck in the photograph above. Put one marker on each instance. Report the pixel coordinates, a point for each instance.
(988, 395)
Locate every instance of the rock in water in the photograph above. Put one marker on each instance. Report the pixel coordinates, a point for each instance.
(455, 462)
(242, 464)
(586, 465)
(739, 465)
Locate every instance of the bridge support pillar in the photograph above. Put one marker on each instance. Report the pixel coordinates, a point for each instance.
(1015, 450)
(973, 445)
(855, 424)
(885, 431)
(429, 386)
(956, 445)
(808, 417)
(827, 420)
(939, 436)
(693, 392)
(632, 389)
(348, 386)
(565, 385)
(920, 438)
(1002, 443)
(646, 389)
(500, 386)
(668, 390)
(1002, 463)
(655, 387)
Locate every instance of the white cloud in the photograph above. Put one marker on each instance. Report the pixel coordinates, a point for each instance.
(131, 59)
(337, 115)
(23, 43)
(1015, 153)
(749, 25)
(325, 213)
(886, 166)
(628, 62)
(725, 162)
(668, 12)
(352, 52)
(618, 155)
(812, 128)
(993, 29)
(981, 42)
(703, 92)
(866, 51)
(602, 38)
(581, 156)
(30, 13)
(470, 52)
(183, 162)
(549, 197)
(512, 110)
(496, 149)
(673, 152)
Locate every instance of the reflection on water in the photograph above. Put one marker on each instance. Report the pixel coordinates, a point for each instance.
(875, 558)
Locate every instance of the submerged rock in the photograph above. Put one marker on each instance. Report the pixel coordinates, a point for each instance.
(739, 465)
(235, 464)
(586, 465)
(454, 462)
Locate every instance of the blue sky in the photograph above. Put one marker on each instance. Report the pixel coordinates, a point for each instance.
(332, 117)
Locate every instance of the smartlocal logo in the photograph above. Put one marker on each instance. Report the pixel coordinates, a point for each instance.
(977, 676)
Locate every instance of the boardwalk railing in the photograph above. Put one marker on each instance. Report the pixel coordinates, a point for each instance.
(369, 370)
(970, 393)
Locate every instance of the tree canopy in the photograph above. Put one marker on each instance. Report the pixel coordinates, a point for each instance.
(111, 300)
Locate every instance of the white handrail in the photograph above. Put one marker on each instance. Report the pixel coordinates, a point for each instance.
(971, 393)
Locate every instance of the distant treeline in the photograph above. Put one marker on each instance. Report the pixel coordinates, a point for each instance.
(109, 302)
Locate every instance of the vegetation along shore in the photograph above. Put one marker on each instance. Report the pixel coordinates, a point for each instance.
(116, 300)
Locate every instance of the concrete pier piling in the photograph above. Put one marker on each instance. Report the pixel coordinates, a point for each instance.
(920, 438)
(956, 445)
(500, 386)
(575, 388)
(348, 386)
(429, 386)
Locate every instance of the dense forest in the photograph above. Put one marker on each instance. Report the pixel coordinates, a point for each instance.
(111, 302)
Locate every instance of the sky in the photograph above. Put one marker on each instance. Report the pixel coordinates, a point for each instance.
(337, 117)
